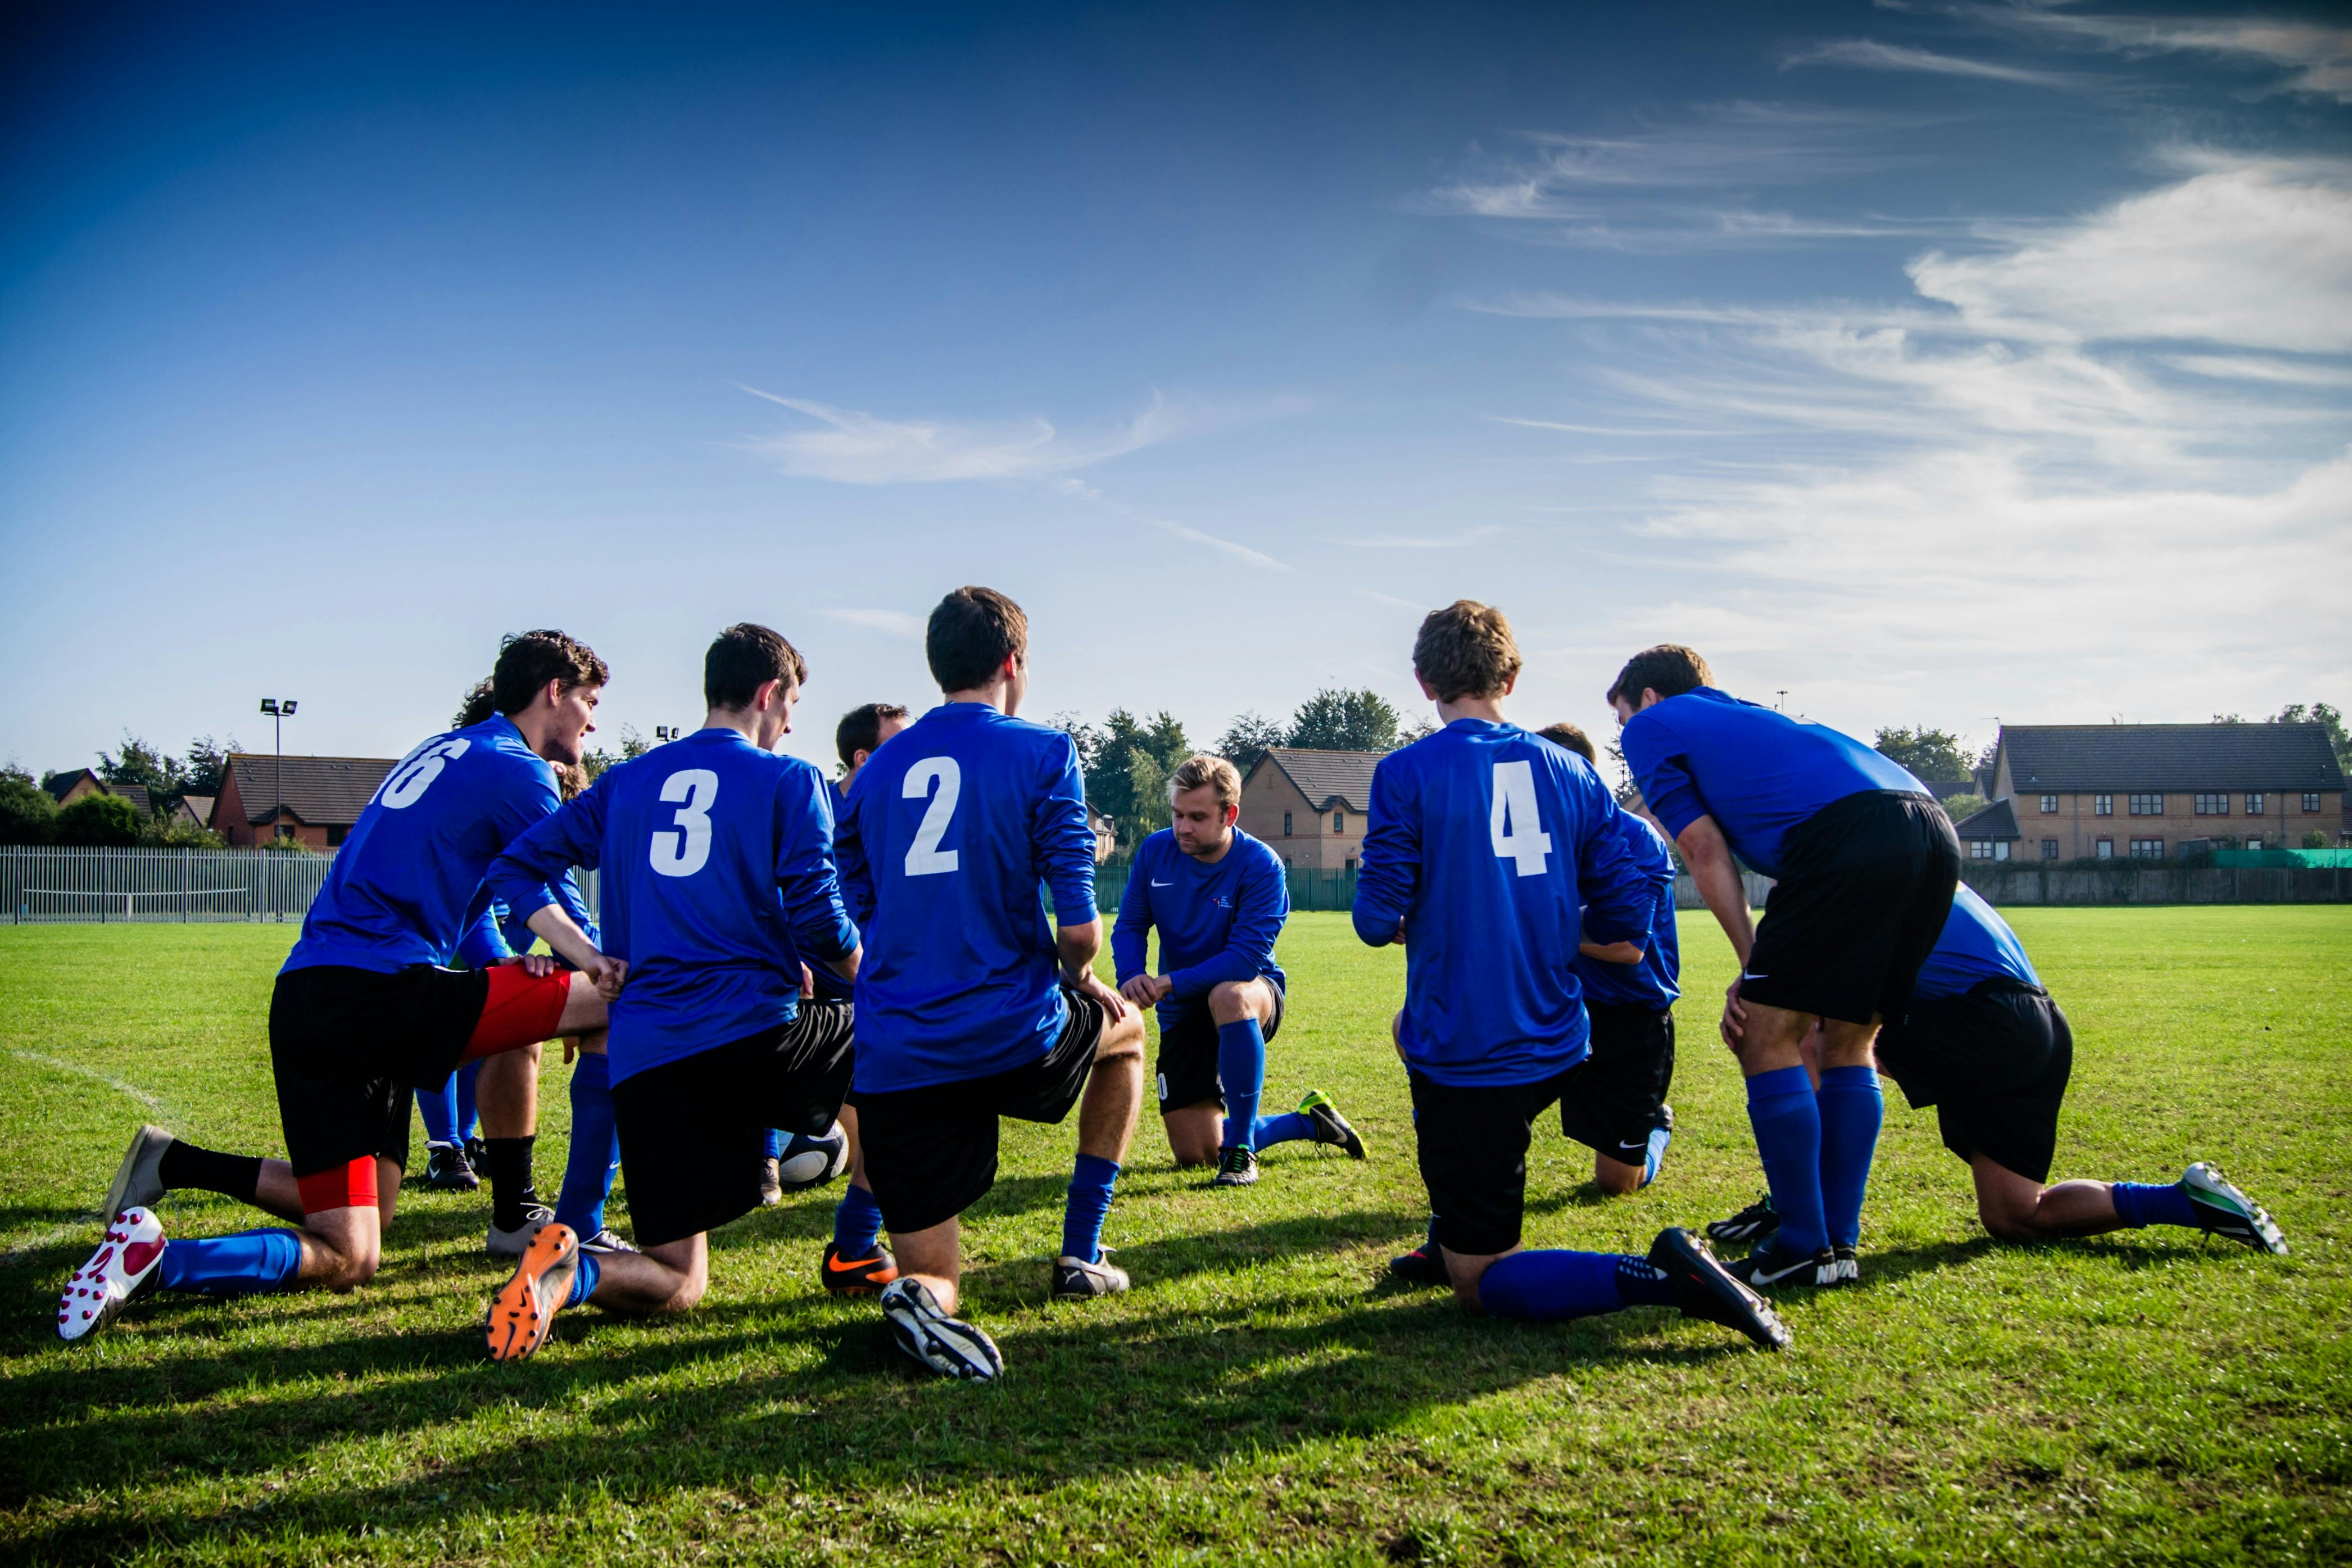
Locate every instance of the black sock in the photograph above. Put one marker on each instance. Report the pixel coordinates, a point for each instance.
(505, 1164)
(188, 1167)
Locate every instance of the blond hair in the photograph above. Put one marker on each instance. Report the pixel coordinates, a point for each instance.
(1213, 772)
(1466, 650)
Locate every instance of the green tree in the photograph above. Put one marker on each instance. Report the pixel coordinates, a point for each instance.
(27, 815)
(633, 744)
(1961, 807)
(1337, 721)
(1119, 786)
(207, 768)
(1249, 738)
(1929, 753)
(2319, 714)
(137, 762)
(101, 821)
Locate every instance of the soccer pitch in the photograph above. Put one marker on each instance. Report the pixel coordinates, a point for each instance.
(1262, 1395)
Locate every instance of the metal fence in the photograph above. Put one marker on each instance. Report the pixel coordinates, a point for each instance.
(1310, 888)
(79, 887)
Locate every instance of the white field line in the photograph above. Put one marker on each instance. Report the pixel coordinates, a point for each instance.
(60, 1233)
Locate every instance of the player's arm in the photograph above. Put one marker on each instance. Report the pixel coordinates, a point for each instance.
(1260, 903)
(521, 876)
(1064, 847)
(1613, 953)
(1388, 875)
(806, 876)
(1708, 855)
(1663, 773)
(1129, 939)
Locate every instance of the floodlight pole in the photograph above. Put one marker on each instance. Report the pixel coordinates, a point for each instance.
(279, 709)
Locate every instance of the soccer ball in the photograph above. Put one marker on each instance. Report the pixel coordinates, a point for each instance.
(812, 1160)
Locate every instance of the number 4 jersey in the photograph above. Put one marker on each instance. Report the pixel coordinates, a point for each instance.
(953, 828)
(406, 885)
(1484, 842)
(718, 884)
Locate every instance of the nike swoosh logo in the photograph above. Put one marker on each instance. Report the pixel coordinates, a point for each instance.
(1755, 978)
(854, 1264)
(1644, 1144)
(1163, 884)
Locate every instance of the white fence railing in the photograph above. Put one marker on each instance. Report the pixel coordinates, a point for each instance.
(49, 886)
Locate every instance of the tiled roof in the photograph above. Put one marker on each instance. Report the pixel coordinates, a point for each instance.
(1995, 820)
(2121, 757)
(135, 794)
(320, 792)
(58, 784)
(1326, 776)
(199, 807)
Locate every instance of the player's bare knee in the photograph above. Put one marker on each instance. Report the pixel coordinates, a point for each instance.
(1232, 1002)
(1620, 1181)
(1122, 1041)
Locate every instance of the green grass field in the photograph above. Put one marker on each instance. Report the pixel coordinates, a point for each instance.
(1261, 1394)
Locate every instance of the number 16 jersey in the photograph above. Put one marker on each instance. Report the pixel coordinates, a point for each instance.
(954, 829)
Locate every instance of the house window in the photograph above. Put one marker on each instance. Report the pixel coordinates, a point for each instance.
(335, 832)
(2254, 803)
(2310, 802)
(1988, 848)
(2103, 806)
(2049, 805)
(1338, 822)
(2105, 849)
(2213, 805)
(2050, 849)
(1286, 824)
(2255, 842)
(1351, 865)
(2148, 806)
(2147, 848)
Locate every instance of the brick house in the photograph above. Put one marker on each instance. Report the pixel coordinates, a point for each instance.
(315, 801)
(73, 784)
(2097, 791)
(1310, 806)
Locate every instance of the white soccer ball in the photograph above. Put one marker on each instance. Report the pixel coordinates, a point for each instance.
(811, 1161)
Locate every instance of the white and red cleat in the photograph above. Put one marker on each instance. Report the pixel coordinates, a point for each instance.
(120, 1270)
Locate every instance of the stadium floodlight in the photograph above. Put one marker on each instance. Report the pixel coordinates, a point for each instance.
(279, 709)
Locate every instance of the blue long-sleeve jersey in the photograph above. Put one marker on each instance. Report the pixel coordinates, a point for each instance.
(1217, 922)
(1976, 945)
(1758, 774)
(955, 827)
(718, 883)
(829, 985)
(1656, 981)
(1486, 842)
(499, 936)
(406, 886)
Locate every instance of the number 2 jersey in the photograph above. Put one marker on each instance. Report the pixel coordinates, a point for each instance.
(955, 827)
(1486, 842)
(718, 884)
(406, 885)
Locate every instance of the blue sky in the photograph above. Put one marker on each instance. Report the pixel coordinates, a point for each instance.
(1928, 361)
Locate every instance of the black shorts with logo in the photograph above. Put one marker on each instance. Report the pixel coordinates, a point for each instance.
(1994, 1063)
(1865, 886)
(1186, 1069)
(1610, 1100)
(930, 1152)
(1473, 1144)
(347, 1044)
(694, 1132)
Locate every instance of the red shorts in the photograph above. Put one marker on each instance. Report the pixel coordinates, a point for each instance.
(521, 1010)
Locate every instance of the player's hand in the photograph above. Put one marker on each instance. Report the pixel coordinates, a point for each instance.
(1091, 985)
(1139, 989)
(537, 966)
(1399, 938)
(1734, 1016)
(609, 974)
(808, 984)
(570, 1048)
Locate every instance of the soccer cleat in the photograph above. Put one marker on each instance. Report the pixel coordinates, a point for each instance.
(948, 1346)
(476, 1151)
(119, 1272)
(522, 1313)
(1765, 1267)
(2223, 1210)
(857, 1276)
(138, 1181)
(1422, 1266)
(1330, 1127)
(1849, 1264)
(1705, 1290)
(1078, 1282)
(1749, 1226)
(771, 1190)
(516, 1242)
(446, 1169)
(606, 1240)
(1236, 1167)
(1653, 1151)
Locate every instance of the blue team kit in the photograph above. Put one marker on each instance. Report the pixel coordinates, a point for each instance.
(1977, 945)
(1656, 981)
(1216, 922)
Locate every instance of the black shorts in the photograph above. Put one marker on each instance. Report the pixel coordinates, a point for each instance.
(1610, 1100)
(1865, 885)
(1473, 1145)
(694, 1132)
(930, 1152)
(1186, 1070)
(346, 1045)
(1994, 1064)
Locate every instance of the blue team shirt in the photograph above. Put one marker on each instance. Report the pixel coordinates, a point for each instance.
(406, 885)
(499, 936)
(718, 884)
(829, 985)
(1656, 981)
(1758, 774)
(1487, 843)
(955, 827)
(1977, 945)
(1216, 922)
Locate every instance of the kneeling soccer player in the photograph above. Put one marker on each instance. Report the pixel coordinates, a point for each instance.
(1984, 1043)
(962, 1017)
(719, 876)
(1483, 848)
(364, 1009)
(1219, 899)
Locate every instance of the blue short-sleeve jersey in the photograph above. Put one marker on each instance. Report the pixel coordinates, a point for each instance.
(718, 883)
(1656, 981)
(406, 885)
(1758, 774)
(1486, 842)
(955, 829)
(1977, 945)
(1216, 921)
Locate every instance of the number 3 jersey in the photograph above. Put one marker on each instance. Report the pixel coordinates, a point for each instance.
(1484, 842)
(954, 829)
(406, 885)
(718, 883)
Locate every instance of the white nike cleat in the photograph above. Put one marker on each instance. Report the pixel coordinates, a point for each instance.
(137, 1184)
(516, 1242)
(2223, 1210)
(122, 1269)
(948, 1346)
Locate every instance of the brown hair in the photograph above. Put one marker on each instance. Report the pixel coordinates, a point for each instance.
(1669, 669)
(1214, 772)
(973, 632)
(743, 658)
(1574, 739)
(571, 778)
(1465, 650)
(860, 729)
(477, 707)
(528, 660)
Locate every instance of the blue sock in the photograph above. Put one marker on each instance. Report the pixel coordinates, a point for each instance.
(583, 1283)
(1788, 1123)
(1655, 1158)
(1240, 1067)
(2145, 1203)
(468, 1117)
(596, 1152)
(437, 1107)
(858, 1223)
(1851, 1111)
(1089, 1205)
(1549, 1285)
(776, 1145)
(1287, 1127)
(231, 1264)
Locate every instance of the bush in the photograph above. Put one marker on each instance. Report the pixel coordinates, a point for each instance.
(99, 822)
(165, 833)
(27, 815)
(1960, 806)
(2314, 839)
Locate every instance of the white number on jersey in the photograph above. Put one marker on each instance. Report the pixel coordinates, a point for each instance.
(406, 784)
(683, 851)
(1517, 830)
(924, 856)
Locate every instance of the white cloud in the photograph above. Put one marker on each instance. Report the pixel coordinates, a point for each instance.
(1238, 551)
(2320, 58)
(850, 446)
(895, 623)
(1869, 55)
(1454, 540)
